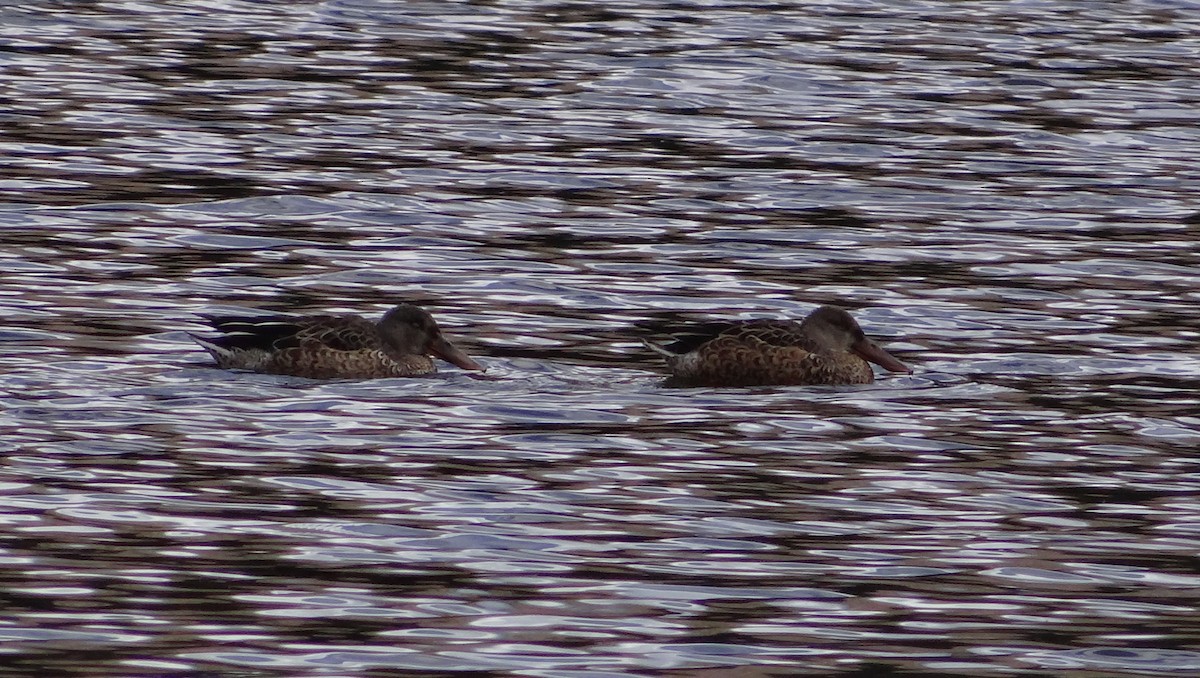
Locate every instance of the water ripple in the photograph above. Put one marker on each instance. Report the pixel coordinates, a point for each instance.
(998, 192)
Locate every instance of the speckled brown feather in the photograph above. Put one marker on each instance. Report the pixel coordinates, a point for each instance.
(314, 359)
(742, 358)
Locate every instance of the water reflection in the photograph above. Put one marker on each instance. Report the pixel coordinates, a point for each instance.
(994, 189)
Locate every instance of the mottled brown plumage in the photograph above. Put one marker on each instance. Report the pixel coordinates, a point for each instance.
(828, 347)
(334, 346)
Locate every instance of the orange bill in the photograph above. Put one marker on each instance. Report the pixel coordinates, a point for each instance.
(870, 351)
(453, 355)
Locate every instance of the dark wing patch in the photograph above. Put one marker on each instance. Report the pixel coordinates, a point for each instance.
(773, 332)
(694, 336)
(341, 333)
(262, 333)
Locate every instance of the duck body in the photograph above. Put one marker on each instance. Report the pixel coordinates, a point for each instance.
(334, 346)
(826, 348)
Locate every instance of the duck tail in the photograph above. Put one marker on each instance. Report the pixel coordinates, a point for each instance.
(219, 353)
(658, 349)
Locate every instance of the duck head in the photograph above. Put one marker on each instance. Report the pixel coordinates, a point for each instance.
(832, 329)
(411, 330)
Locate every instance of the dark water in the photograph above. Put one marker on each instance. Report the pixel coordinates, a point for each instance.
(1004, 192)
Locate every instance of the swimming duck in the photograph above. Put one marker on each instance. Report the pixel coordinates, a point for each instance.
(334, 346)
(827, 347)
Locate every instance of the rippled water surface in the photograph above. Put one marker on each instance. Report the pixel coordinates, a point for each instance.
(1004, 193)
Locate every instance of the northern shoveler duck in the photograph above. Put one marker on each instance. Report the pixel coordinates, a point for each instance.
(827, 347)
(334, 346)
